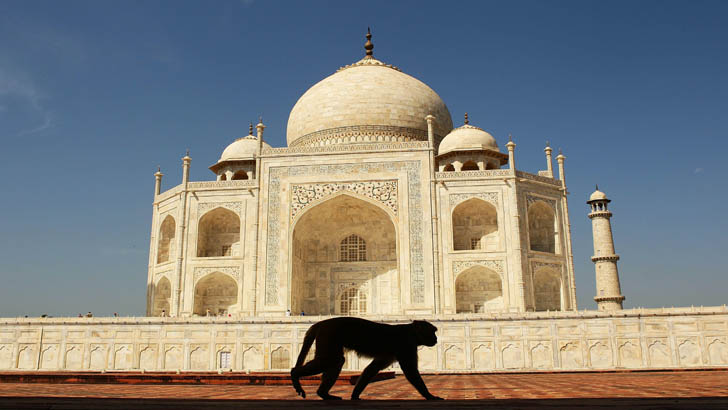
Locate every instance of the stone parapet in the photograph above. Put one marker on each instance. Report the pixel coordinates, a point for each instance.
(634, 338)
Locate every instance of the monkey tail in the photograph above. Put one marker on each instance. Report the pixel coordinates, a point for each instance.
(308, 340)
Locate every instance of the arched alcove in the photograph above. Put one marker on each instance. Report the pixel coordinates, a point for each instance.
(478, 289)
(223, 177)
(470, 166)
(541, 228)
(475, 226)
(165, 246)
(218, 234)
(547, 290)
(448, 168)
(239, 175)
(162, 296)
(343, 241)
(215, 294)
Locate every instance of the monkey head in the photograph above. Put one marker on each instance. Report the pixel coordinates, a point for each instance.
(424, 333)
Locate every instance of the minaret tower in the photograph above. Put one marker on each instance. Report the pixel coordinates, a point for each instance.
(609, 295)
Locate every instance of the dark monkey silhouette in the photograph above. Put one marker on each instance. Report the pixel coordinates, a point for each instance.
(382, 342)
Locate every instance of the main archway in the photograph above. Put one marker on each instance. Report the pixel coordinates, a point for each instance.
(215, 295)
(341, 244)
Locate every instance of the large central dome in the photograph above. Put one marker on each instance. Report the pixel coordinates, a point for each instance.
(365, 102)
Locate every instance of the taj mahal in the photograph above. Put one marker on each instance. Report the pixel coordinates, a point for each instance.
(379, 207)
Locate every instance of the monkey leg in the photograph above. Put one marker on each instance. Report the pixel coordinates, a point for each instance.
(309, 369)
(408, 364)
(329, 376)
(370, 371)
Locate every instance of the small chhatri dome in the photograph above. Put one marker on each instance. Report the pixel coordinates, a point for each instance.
(467, 138)
(244, 148)
(598, 196)
(364, 102)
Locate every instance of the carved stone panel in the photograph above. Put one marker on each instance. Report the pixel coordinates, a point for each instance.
(303, 195)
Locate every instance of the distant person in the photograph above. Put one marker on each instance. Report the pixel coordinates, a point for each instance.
(288, 312)
(116, 314)
(89, 314)
(303, 313)
(207, 312)
(164, 313)
(80, 315)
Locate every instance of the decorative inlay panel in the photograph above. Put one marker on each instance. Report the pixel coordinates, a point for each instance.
(538, 265)
(242, 183)
(494, 265)
(361, 133)
(275, 197)
(200, 272)
(381, 191)
(491, 197)
(473, 174)
(378, 146)
(203, 207)
(530, 199)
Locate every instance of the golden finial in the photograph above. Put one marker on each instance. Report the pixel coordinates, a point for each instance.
(548, 144)
(560, 153)
(187, 154)
(250, 129)
(368, 46)
(466, 119)
(159, 168)
(510, 138)
(597, 185)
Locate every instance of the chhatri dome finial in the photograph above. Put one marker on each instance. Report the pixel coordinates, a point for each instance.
(250, 129)
(466, 119)
(597, 186)
(368, 46)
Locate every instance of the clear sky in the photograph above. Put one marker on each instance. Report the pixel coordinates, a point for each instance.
(95, 94)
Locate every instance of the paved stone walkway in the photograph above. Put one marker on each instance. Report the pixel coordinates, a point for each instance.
(679, 389)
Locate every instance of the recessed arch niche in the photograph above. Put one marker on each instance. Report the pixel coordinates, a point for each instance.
(475, 226)
(547, 290)
(162, 296)
(478, 289)
(541, 227)
(320, 267)
(165, 247)
(216, 294)
(218, 234)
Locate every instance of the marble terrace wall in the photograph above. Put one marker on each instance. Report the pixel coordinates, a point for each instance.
(638, 338)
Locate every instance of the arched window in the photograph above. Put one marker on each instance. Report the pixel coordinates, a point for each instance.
(353, 301)
(469, 166)
(218, 234)
(165, 247)
(490, 165)
(239, 175)
(353, 249)
(541, 228)
(547, 290)
(475, 226)
(223, 177)
(448, 168)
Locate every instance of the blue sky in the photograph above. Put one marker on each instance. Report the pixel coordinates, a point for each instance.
(95, 94)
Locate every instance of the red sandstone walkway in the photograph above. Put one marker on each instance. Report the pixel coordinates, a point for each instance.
(680, 389)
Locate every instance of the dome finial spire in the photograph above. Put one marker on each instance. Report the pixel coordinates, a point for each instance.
(368, 46)
(597, 186)
(466, 119)
(250, 128)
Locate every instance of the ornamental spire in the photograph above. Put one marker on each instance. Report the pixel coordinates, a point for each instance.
(466, 119)
(368, 46)
(250, 128)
